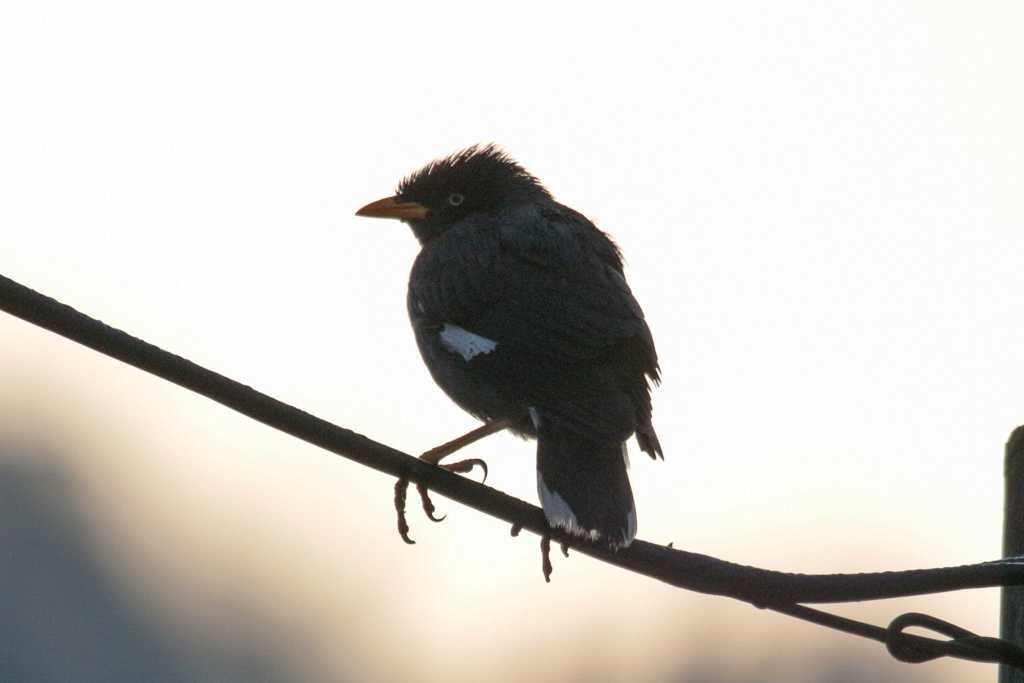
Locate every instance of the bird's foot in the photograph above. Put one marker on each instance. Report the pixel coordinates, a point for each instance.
(545, 551)
(461, 467)
(545, 555)
(402, 488)
(434, 457)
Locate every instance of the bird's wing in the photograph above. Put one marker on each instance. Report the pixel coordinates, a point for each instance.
(548, 281)
(547, 287)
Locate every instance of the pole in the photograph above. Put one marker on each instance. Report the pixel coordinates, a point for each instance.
(1011, 617)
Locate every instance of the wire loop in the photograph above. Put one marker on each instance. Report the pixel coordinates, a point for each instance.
(962, 644)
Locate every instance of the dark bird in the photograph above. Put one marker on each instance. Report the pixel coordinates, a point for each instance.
(524, 318)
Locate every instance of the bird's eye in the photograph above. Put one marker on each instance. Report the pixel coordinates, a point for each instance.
(455, 199)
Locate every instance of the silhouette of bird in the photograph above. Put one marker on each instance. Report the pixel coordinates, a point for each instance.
(523, 316)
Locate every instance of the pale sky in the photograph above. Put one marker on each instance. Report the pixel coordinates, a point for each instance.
(820, 207)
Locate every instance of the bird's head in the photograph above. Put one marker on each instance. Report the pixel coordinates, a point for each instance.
(479, 179)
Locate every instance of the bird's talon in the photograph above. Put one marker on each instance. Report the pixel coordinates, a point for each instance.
(434, 519)
(401, 487)
(428, 504)
(403, 531)
(565, 548)
(516, 528)
(545, 552)
(466, 466)
(434, 457)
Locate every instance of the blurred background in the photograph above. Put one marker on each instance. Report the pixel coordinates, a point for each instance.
(820, 205)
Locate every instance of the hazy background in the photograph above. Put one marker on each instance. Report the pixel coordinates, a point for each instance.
(820, 204)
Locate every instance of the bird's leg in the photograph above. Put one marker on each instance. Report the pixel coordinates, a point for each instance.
(434, 457)
(438, 453)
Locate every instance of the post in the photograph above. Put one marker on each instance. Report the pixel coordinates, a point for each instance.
(1011, 616)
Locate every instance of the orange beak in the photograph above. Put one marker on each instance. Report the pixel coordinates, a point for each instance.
(391, 207)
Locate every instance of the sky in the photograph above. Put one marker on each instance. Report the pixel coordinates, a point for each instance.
(820, 208)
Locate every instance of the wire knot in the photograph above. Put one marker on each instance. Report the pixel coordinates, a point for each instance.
(962, 644)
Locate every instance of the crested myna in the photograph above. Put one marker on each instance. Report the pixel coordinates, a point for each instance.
(524, 318)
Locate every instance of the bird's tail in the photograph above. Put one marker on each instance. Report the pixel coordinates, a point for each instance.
(584, 487)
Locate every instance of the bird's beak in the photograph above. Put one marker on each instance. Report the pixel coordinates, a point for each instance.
(391, 207)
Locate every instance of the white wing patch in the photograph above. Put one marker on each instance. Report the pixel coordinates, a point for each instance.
(465, 343)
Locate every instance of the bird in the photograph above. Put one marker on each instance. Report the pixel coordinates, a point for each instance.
(521, 312)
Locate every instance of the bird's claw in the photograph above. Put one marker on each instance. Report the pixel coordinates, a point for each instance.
(461, 467)
(402, 487)
(545, 554)
(545, 551)
(466, 466)
(428, 505)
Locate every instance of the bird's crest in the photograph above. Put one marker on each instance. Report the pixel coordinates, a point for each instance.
(486, 165)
